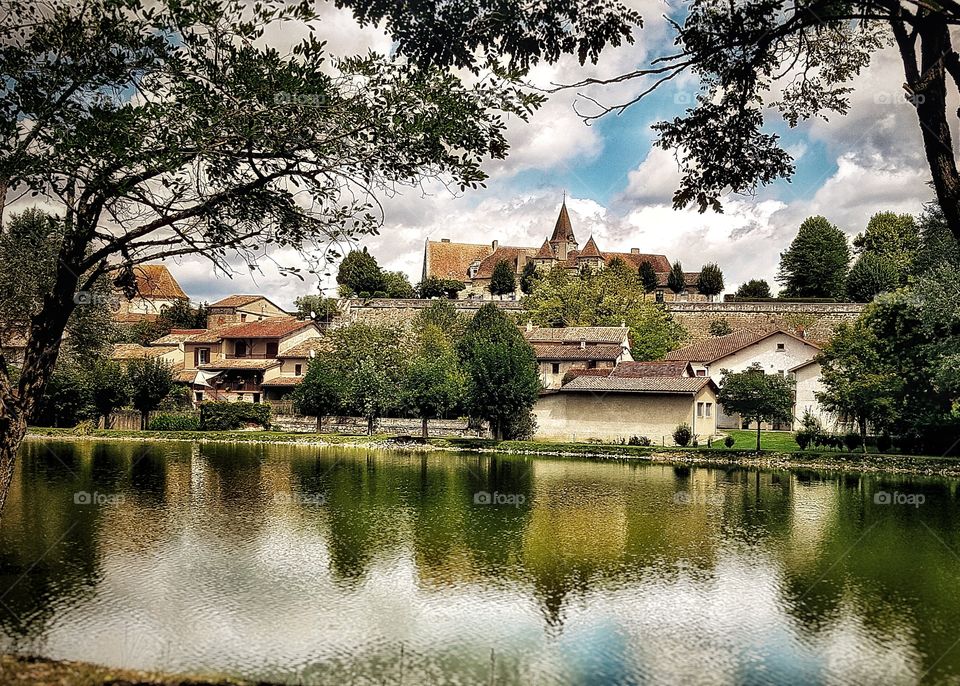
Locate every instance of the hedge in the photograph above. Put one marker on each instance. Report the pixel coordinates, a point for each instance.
(174, 422)
(224, 416)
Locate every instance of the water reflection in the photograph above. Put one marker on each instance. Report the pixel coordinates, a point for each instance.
(327, 565)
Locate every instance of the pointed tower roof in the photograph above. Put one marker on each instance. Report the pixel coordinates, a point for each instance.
(563, 231)
(546, 251)
(590, 249)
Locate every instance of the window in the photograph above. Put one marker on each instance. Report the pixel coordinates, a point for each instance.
(709, 408)
(297, 369)
(701, 372)
(781, 346)
(203, 354)
(243, 316)
(272, 348)
(256, 397)
(556, 367)
(240, 349)
(198, 396)
(699, 409)
(591, 364)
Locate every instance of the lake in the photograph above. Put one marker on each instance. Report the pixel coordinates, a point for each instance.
(316, 565)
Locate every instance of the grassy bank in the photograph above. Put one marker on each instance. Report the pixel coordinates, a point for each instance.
(780, 451)
(31, 671)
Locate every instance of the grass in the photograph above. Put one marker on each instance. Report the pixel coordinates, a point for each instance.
(779, 441)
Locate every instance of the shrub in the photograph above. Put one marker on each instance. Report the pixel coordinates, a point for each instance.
(175, 422)
(639, 440)
(852, 440)
(521, 427)
(720, 327)
(225, 416)
(729, 441)
(884, 443)
(803, 438)
(682, 435)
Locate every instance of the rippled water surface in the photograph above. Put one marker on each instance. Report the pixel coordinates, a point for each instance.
(337, 566)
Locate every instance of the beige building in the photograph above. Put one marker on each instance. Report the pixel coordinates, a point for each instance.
(237, 309)
(473, 263)
(808, 384)
(293, 367)
(561, 350)
(612, 408)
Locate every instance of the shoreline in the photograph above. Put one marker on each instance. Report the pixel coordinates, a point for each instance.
(869, 463)
(33, 670)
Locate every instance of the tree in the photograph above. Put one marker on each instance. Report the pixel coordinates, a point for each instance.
(528, 277)
(321, 391)
(807, 53)
(720, 327)
(676, 279)
(891, 235)
(169, 128)
(870, 276)
(503, 280)
(443, 315)
(316, 307)
(857, 385)
(150, 381)
(757, 396)
(434, 382)
(502, 377)
(359, 274)
(710, 281)
(609, 298)
(648, 278)
(109, 389)
(66, 399)
(937, 245)
(754, 288)
(815, 265)
(435, 287)
(397, 285)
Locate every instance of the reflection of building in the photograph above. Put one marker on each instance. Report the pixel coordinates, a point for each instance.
(473, 263)
(777, 351)
(577, 347)
(156, 290)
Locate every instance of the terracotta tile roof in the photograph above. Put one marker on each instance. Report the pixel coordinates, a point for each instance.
(134, 317)
(208, 335)
(596, 371)
(135, 351)
(236, 301)
(507, 253)
(575, 334)
(552, 351)
(184, 375)
(177, 336)
(590, 249)
(273, 327)
(545, 250)
(251, 363)
(451, 260)
(660, 263)
(653, 385)
(689, 278)
(303, 349)
(563, 230)
(283, 381)
(666, 368)
(710, 350)
(156, 281)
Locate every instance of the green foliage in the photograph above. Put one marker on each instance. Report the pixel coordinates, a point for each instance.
(720, 327)
(442, 314)
(938, 246)
(180, 315)
(676, 280)
(757, 396)
(175, 422)
(521, 427)
(316, 307)
(502, 378)
(397, 285)
(872, 275)
(66, 399)
(608, 298)
(648, 277)
(816, 263)
(371, 362)
(682, 435)
(435, 287)
(528, 277)
(639, 440)
(359, 274)
(503, 281)
(891, 235)
(321, 392)
(225, 416)
(109, 387)
(710, 281)
(150, 381)
(754, 288)
(434, 382)
(853, 440)
(729, 441)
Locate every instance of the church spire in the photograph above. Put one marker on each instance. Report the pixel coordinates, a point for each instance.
(563, 231)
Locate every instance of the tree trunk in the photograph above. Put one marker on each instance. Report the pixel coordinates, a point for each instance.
(758, 434)
(143, 421)
(11, 434)
(423, 429)
(863, 434)
(369, 426)
(319, 423)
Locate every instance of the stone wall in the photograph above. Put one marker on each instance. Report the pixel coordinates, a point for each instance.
(358, 425)
(816, 320)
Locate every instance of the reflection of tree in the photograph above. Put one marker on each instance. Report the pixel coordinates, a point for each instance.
(236, 494)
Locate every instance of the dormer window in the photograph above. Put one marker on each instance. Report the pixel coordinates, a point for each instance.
(781, 347)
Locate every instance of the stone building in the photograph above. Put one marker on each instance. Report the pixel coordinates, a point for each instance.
(156, 290)
(473, 263)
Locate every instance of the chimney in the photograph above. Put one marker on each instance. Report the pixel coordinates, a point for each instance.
(444, 240)
(583, 344)
(495, 244)
(634, 251)
(529, 325)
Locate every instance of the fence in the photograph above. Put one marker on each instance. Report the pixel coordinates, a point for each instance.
(129, 420)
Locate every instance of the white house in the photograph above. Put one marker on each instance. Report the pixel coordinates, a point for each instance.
(809, 383)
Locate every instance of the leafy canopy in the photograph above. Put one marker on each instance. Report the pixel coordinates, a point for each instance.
(815, 265)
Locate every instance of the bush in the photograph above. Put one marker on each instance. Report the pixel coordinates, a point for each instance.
(522, 427)
(174, 422)
(720, 327)
(729, 441)
(225, 416)
(884, 443)
(682, 435)
(639, 440)
(852, 440)
(803, 438)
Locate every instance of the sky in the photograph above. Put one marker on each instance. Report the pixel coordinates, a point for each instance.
(618, 186)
